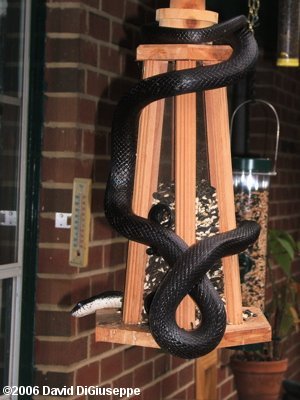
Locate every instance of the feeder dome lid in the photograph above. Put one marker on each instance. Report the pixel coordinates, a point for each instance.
(246, 164)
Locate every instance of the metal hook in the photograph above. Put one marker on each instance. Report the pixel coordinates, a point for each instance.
(277, 128)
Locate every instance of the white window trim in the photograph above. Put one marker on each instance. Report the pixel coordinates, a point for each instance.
(14, 270)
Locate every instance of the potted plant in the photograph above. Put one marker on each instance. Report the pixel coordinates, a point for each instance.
(259, 369)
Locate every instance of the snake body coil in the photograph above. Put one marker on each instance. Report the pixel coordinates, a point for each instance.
(189, 265)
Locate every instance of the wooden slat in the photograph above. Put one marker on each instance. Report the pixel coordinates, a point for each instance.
(185, 180)
(206, 376)
(186, 18)
(200, 4)
(183, 52)
(187, 13)
(146, 176)
(218, 142)
(110, 328)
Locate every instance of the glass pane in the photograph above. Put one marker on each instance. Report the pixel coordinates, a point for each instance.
(5, 324)
(11, 44)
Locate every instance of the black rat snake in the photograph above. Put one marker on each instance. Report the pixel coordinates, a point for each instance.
(189, 265)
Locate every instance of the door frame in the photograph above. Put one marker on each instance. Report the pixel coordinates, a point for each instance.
(34, 143)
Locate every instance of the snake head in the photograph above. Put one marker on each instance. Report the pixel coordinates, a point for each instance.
(162, 214)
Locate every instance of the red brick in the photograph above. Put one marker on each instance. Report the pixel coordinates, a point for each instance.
(60, 353)
(87, 112)
(135, 13)
(118, 88)
(54, 323)
(91, 3)
(54, 261)
(169, 385)
(62, 291)
(70, 109)
(221, 373)
(89, 142)
(161, 365)
(110, 59)
(101, 283)
(186, 375)
(68, 20)
(62, 50)
(62, 139)
(133, 356)
(111, 366)
(71, 50)
(88, 53)
(113, 7)
(103, 396)
(99, 27)
(191, 392)
(125, 381)
(97, 348)
(64, 170)
(56, 200)
(143, 375)
(97, 84)
(102, 229)
(149, 353)
(59, 80)
(52, 291)
(97, 200)
(226, 389)
(48, 232)
(53, 379)
(176, 361)
(129, 67)
(123, 35)
(119, 279)
(87, 323)
(95, 260)
(114, 254)
(62, 109)
(152, 392)
(105, 113)
(88, 375)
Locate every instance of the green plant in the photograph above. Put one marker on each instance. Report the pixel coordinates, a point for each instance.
(283, 309)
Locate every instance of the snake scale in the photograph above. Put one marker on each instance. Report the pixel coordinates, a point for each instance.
(188, 265)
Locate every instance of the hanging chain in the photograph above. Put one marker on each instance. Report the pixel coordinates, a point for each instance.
(253, 6)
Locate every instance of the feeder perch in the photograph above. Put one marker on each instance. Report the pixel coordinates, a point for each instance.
(126, 328)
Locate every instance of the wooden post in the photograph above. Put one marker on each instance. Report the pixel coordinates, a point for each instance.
(145, 183)
(185, 181)
(206, 376)
(218, 143)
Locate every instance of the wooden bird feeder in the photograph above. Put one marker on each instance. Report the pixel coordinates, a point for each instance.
(126, 328)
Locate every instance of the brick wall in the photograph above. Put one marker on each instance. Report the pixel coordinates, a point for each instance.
(90, 46)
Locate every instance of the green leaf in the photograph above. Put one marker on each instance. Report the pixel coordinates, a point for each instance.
(288, 246)
(284, 261)
(286, 323)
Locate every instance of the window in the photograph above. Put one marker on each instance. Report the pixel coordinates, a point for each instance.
(14, 56)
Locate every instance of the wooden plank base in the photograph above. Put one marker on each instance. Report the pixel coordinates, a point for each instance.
(110, 328)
